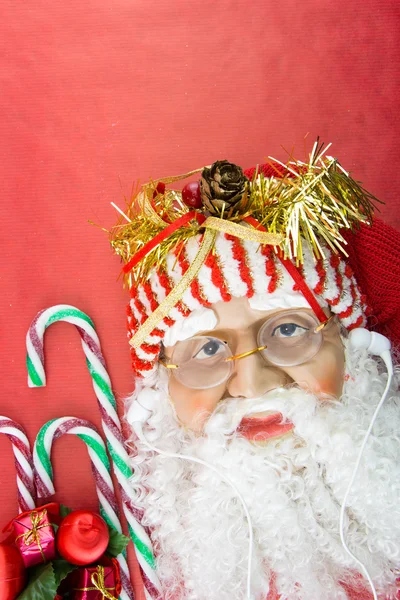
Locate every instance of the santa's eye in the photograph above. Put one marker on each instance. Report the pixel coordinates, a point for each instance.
(288, 330)
(211, 348)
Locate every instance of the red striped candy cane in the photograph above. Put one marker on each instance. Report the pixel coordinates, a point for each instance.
(23, 463)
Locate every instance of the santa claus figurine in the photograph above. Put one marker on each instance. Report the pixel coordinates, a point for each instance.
(262, 468)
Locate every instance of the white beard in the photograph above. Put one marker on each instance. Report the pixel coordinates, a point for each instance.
(199, 530)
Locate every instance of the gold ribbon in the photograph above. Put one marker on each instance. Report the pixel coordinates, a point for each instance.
(143, 200)
(176, 294)
(212, 225)
(244, 233)
(32, 536)
(97, 579)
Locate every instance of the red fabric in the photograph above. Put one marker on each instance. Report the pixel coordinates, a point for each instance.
(12, 572)
(374, 255)
(99, 95)
(271, 169)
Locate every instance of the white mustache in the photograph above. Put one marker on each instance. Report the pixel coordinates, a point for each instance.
(287, 401)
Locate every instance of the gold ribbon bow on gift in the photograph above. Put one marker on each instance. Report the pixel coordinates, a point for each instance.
(32, 535)
(97, 579)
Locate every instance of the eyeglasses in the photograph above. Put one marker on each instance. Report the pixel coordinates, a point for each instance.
(287, 339)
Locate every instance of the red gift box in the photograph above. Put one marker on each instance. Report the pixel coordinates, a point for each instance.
(35, 536)
(96, 582)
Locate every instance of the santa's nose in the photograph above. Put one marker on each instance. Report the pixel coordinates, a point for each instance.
(253, 376)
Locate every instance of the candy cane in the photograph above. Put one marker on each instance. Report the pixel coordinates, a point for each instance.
(101, 472)
(23, 462)
(110, 422)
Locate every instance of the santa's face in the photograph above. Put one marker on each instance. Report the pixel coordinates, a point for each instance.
(254, 375)
(293, 487)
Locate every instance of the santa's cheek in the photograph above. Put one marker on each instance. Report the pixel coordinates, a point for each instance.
(325, 380)
(193, 407)
(330, 380)
(328, 386)
(332, 375)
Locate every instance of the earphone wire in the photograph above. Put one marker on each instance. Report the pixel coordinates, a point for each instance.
(229, 482)
(389, 367)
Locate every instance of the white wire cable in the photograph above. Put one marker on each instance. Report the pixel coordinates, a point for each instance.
(143, 412)
(388, 362)
(139, 431)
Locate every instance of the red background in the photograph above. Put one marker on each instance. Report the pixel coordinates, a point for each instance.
(97, 95)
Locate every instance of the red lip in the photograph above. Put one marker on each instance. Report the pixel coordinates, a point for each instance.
(263, 428)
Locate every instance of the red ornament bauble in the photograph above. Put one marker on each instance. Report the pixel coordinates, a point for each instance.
(191, 195)
(82, 537)
(12, 572)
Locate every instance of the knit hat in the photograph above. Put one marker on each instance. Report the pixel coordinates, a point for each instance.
(272, 234)
(374, 255)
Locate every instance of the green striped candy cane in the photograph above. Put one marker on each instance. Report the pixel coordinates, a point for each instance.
(110, 422)
(101, 473)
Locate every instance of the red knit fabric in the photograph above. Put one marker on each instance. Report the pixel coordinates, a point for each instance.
(270, 268)
(322, 276)
(217, 277)
(194, 286)
(374, 255)
(239, 254)
(272, 169)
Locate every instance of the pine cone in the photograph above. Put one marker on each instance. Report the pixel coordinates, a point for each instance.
(223, 188)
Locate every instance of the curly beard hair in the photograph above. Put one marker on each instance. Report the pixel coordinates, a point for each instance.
(197, 523)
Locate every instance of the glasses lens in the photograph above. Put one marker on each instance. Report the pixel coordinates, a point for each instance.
(290, 338)
(202, 362)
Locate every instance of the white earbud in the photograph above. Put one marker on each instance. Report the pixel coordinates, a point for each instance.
(373, 342)
(140, 411)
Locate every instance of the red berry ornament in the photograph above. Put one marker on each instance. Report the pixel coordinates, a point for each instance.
(82, 537)
(191, 195)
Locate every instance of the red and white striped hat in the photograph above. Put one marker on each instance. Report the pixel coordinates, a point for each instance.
(162, 311)
(237, 268)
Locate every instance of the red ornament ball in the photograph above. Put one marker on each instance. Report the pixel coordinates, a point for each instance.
(191, 195)
(12, 572)
(82, 537)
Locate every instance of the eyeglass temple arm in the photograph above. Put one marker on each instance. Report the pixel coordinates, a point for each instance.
(167, 365)
(322, 326)
(244, 354)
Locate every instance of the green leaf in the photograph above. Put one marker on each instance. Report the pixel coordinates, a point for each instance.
(118, 542)
(41, 584)
(62, 568)
(64, 511)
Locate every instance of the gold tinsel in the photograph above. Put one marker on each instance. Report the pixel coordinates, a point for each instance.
(311, 203)
(149, 216)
